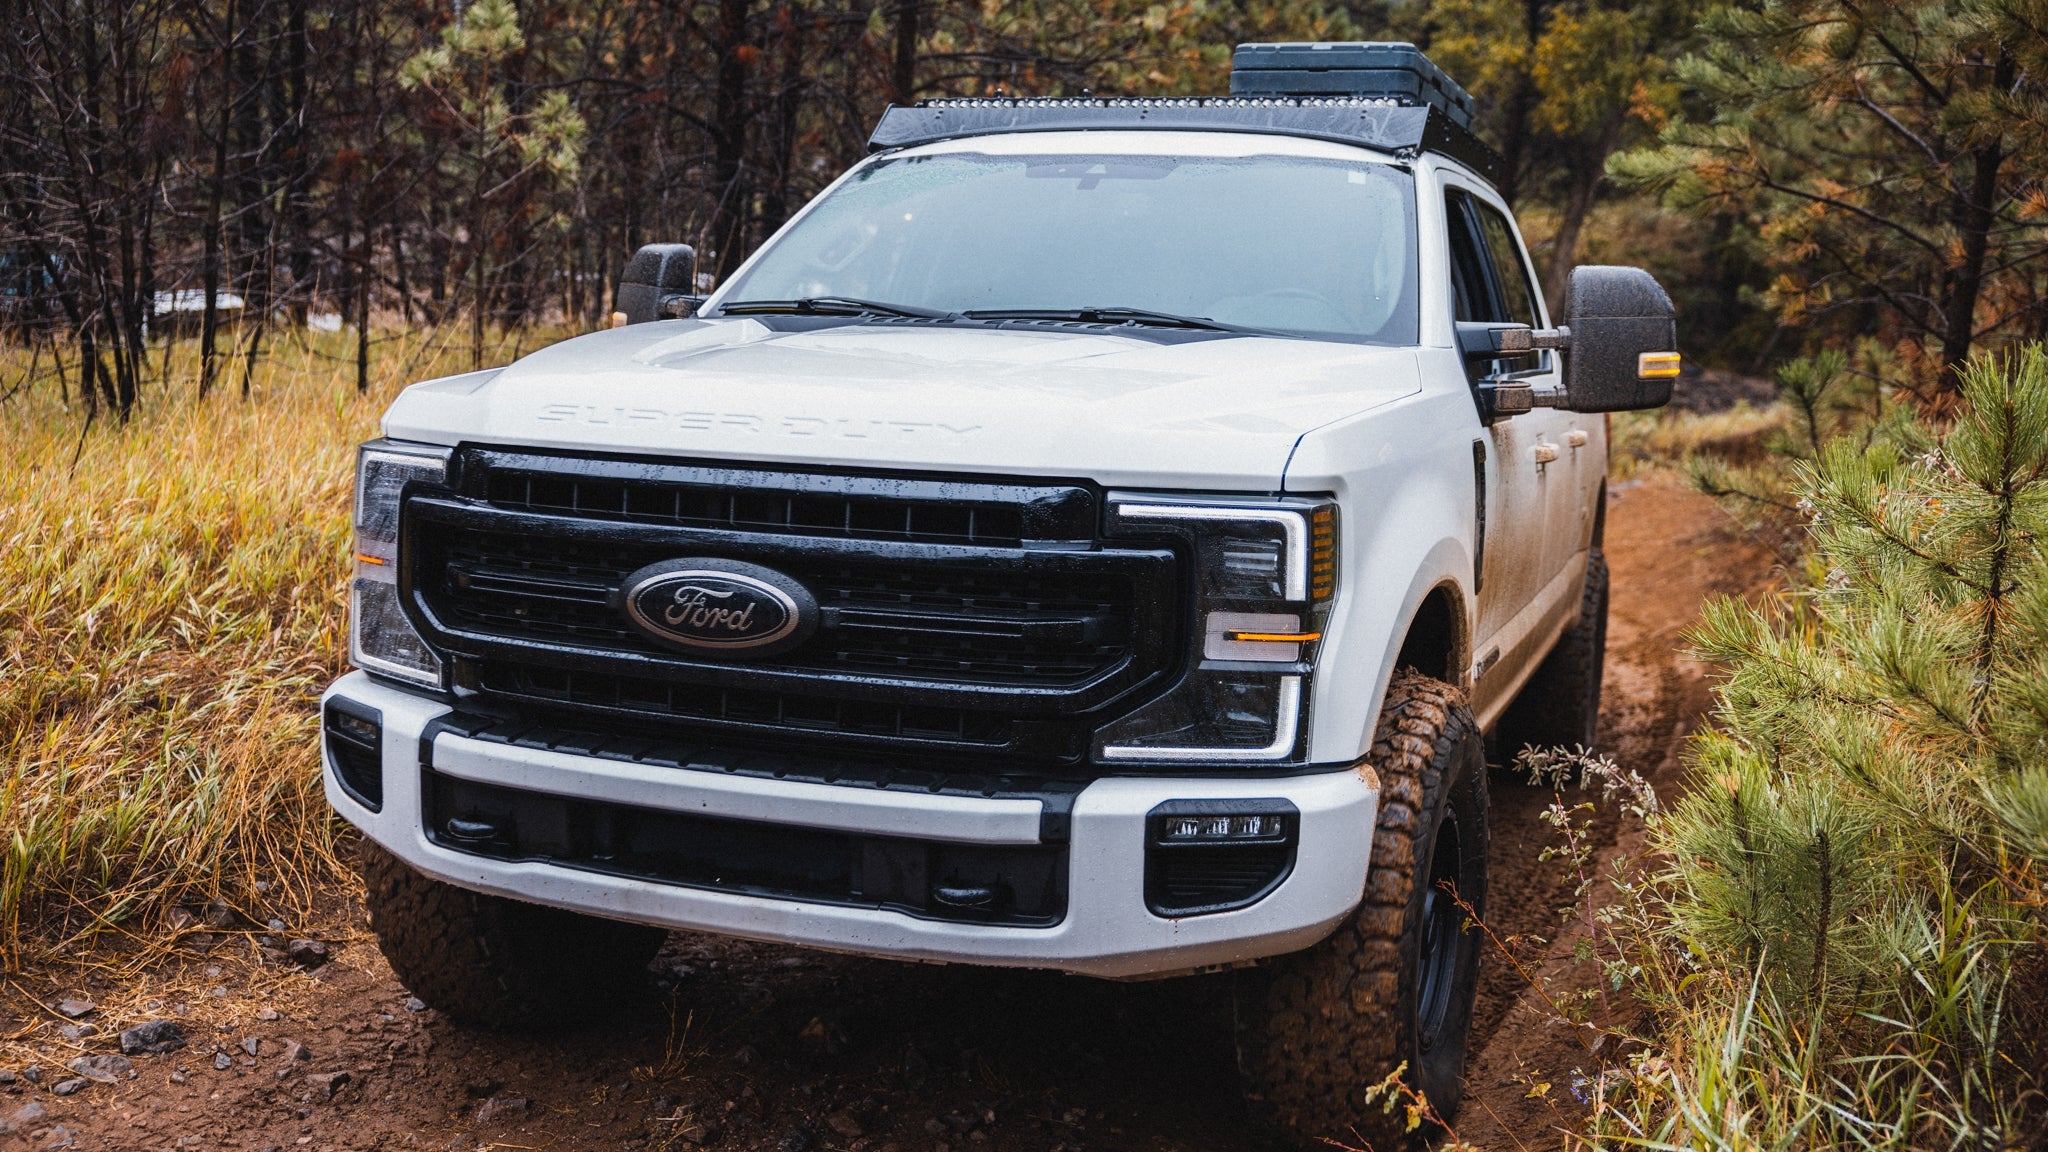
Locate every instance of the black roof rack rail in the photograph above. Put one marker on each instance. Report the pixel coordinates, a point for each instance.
(1386, 124)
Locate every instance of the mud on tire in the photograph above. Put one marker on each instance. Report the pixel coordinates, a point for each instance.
(1395, 982)
(489, 962)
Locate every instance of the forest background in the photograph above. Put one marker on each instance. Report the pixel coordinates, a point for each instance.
(1799, 172)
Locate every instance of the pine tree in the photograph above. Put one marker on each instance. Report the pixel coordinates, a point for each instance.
(1857, 876)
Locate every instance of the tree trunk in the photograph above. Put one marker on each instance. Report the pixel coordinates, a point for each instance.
(788, 101)
(209, 321)
(903, 59)
(1514, 137)
(1587, 174)
(477, 254)
(1514, 145)
(729, 139)
(295, 148)
(1974, 220)
(398, 278)
(363, 267)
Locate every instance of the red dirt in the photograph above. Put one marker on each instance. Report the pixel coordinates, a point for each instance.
(756, 1047)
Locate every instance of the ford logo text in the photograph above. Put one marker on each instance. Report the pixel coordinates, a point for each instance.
(719, 607)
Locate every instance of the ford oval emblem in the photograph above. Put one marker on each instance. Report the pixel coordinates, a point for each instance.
(719, 607)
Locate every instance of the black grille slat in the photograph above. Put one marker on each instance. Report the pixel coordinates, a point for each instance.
(740, 707)
(691, 506)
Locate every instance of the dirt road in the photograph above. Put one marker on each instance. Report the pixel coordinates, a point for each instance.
(754, 1047)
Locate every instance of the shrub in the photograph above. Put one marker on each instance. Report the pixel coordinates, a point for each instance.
(1844, 950)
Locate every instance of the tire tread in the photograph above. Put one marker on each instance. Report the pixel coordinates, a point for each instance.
(1318, 1027)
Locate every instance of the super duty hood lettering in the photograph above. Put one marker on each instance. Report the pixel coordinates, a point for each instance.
(698, 420)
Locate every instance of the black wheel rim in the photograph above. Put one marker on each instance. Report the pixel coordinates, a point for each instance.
(1443, 936)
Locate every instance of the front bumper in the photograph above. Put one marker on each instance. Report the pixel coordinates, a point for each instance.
(1107, 929)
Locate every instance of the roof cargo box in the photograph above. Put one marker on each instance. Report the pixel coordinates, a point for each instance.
(1352, 68)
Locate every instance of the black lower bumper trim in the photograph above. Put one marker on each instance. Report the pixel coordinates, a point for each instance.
(1016, 885)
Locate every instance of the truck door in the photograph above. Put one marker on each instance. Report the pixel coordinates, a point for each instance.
(1529, 496)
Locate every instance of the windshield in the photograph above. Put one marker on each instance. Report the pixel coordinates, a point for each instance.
(1297, 245)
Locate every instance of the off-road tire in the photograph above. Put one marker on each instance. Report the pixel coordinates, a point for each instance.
(1318, 1028)
(490, 962)
(1560, 705)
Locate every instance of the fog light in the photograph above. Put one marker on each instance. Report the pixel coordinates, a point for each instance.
(355, 747)
(1205, 856)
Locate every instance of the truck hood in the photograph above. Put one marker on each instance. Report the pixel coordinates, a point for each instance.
(1125, 410)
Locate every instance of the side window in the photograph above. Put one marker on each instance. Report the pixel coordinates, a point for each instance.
(1517, 293)
(1472, 290)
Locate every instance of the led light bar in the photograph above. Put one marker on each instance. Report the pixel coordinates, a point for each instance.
(1238, 827)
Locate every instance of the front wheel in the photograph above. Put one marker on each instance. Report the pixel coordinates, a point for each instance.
(490, 962)
(1394, 984)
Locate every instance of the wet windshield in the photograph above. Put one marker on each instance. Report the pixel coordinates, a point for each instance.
(1295, 245)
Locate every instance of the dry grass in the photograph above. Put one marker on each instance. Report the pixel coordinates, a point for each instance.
(171, 604)
(1667, 438)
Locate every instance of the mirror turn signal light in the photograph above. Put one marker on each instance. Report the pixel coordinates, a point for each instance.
(1657, 366)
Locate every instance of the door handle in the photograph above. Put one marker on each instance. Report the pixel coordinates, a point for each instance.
(1576, 437)
(1545, 453)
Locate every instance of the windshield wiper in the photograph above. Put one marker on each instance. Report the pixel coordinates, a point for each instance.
(1141, 316)
(826, 306)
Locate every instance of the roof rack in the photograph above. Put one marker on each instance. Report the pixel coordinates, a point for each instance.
(1387, 123)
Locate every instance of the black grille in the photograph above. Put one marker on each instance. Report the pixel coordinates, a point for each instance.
(952, 614)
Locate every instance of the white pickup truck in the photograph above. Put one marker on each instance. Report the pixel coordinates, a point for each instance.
(1102, 535)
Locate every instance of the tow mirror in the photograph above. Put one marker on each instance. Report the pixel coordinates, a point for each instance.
(1624, 340)
(659, 283)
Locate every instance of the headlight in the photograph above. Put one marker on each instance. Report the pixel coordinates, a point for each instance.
(1265, 576)
(380, 637)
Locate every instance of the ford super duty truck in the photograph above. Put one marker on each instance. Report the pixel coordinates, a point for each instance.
(1103, 535)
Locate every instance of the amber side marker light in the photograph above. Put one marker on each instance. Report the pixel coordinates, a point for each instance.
(1274, 637)
(1657, 366)
(1322, 567)
(366, 558)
